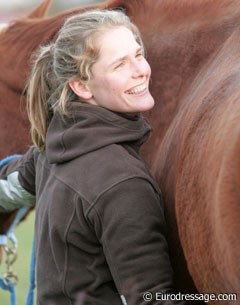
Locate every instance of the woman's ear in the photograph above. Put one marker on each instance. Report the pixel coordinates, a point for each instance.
(80, 89)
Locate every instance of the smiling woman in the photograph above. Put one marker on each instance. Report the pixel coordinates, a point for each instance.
(92, 190)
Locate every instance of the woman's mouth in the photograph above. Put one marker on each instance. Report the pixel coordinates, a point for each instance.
(137, 90)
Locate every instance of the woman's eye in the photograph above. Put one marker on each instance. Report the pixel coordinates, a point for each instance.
(121, 64)
(139, 56)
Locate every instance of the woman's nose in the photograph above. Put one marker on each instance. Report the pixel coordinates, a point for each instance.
(140, 68)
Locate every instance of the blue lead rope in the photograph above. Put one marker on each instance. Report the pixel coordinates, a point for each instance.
(11, 288)
(32, 285)
(8, 159)
(7, 284)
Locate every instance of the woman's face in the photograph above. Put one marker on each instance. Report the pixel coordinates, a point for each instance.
(120, 77)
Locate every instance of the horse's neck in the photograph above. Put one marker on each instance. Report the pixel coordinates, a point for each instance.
(178, 49)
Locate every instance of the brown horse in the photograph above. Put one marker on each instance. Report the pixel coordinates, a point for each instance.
(194, 153)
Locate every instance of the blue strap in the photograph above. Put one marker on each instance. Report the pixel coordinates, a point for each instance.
(11, 288)
(8, 159)
(30, 296)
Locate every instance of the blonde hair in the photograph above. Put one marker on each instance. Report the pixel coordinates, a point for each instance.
(70, 57)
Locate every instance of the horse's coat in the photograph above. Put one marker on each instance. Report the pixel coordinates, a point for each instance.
(193, 49)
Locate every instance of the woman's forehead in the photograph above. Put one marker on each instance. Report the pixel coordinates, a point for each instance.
(117, 41)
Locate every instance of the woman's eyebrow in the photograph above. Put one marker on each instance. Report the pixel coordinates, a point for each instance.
(122, 58)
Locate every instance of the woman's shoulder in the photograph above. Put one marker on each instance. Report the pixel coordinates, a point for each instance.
(99, 170)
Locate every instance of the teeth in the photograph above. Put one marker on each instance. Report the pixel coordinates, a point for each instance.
(137, 90)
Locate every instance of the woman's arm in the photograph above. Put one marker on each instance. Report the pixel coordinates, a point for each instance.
(133, 236)
(17, 182)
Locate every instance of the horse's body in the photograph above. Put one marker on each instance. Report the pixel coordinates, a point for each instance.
(193, 48)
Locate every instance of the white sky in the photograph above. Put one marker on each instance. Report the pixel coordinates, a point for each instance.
(12, 9)
(18, 4)
(13, 4)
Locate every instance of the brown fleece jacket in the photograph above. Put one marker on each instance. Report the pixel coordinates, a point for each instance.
(100, 227)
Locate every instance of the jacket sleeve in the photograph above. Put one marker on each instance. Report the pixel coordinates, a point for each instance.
(17, 182)
(130, 224)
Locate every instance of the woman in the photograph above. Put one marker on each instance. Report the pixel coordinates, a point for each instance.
(100, 228)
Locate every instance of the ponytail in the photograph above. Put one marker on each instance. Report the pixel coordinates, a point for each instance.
(39, 90)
